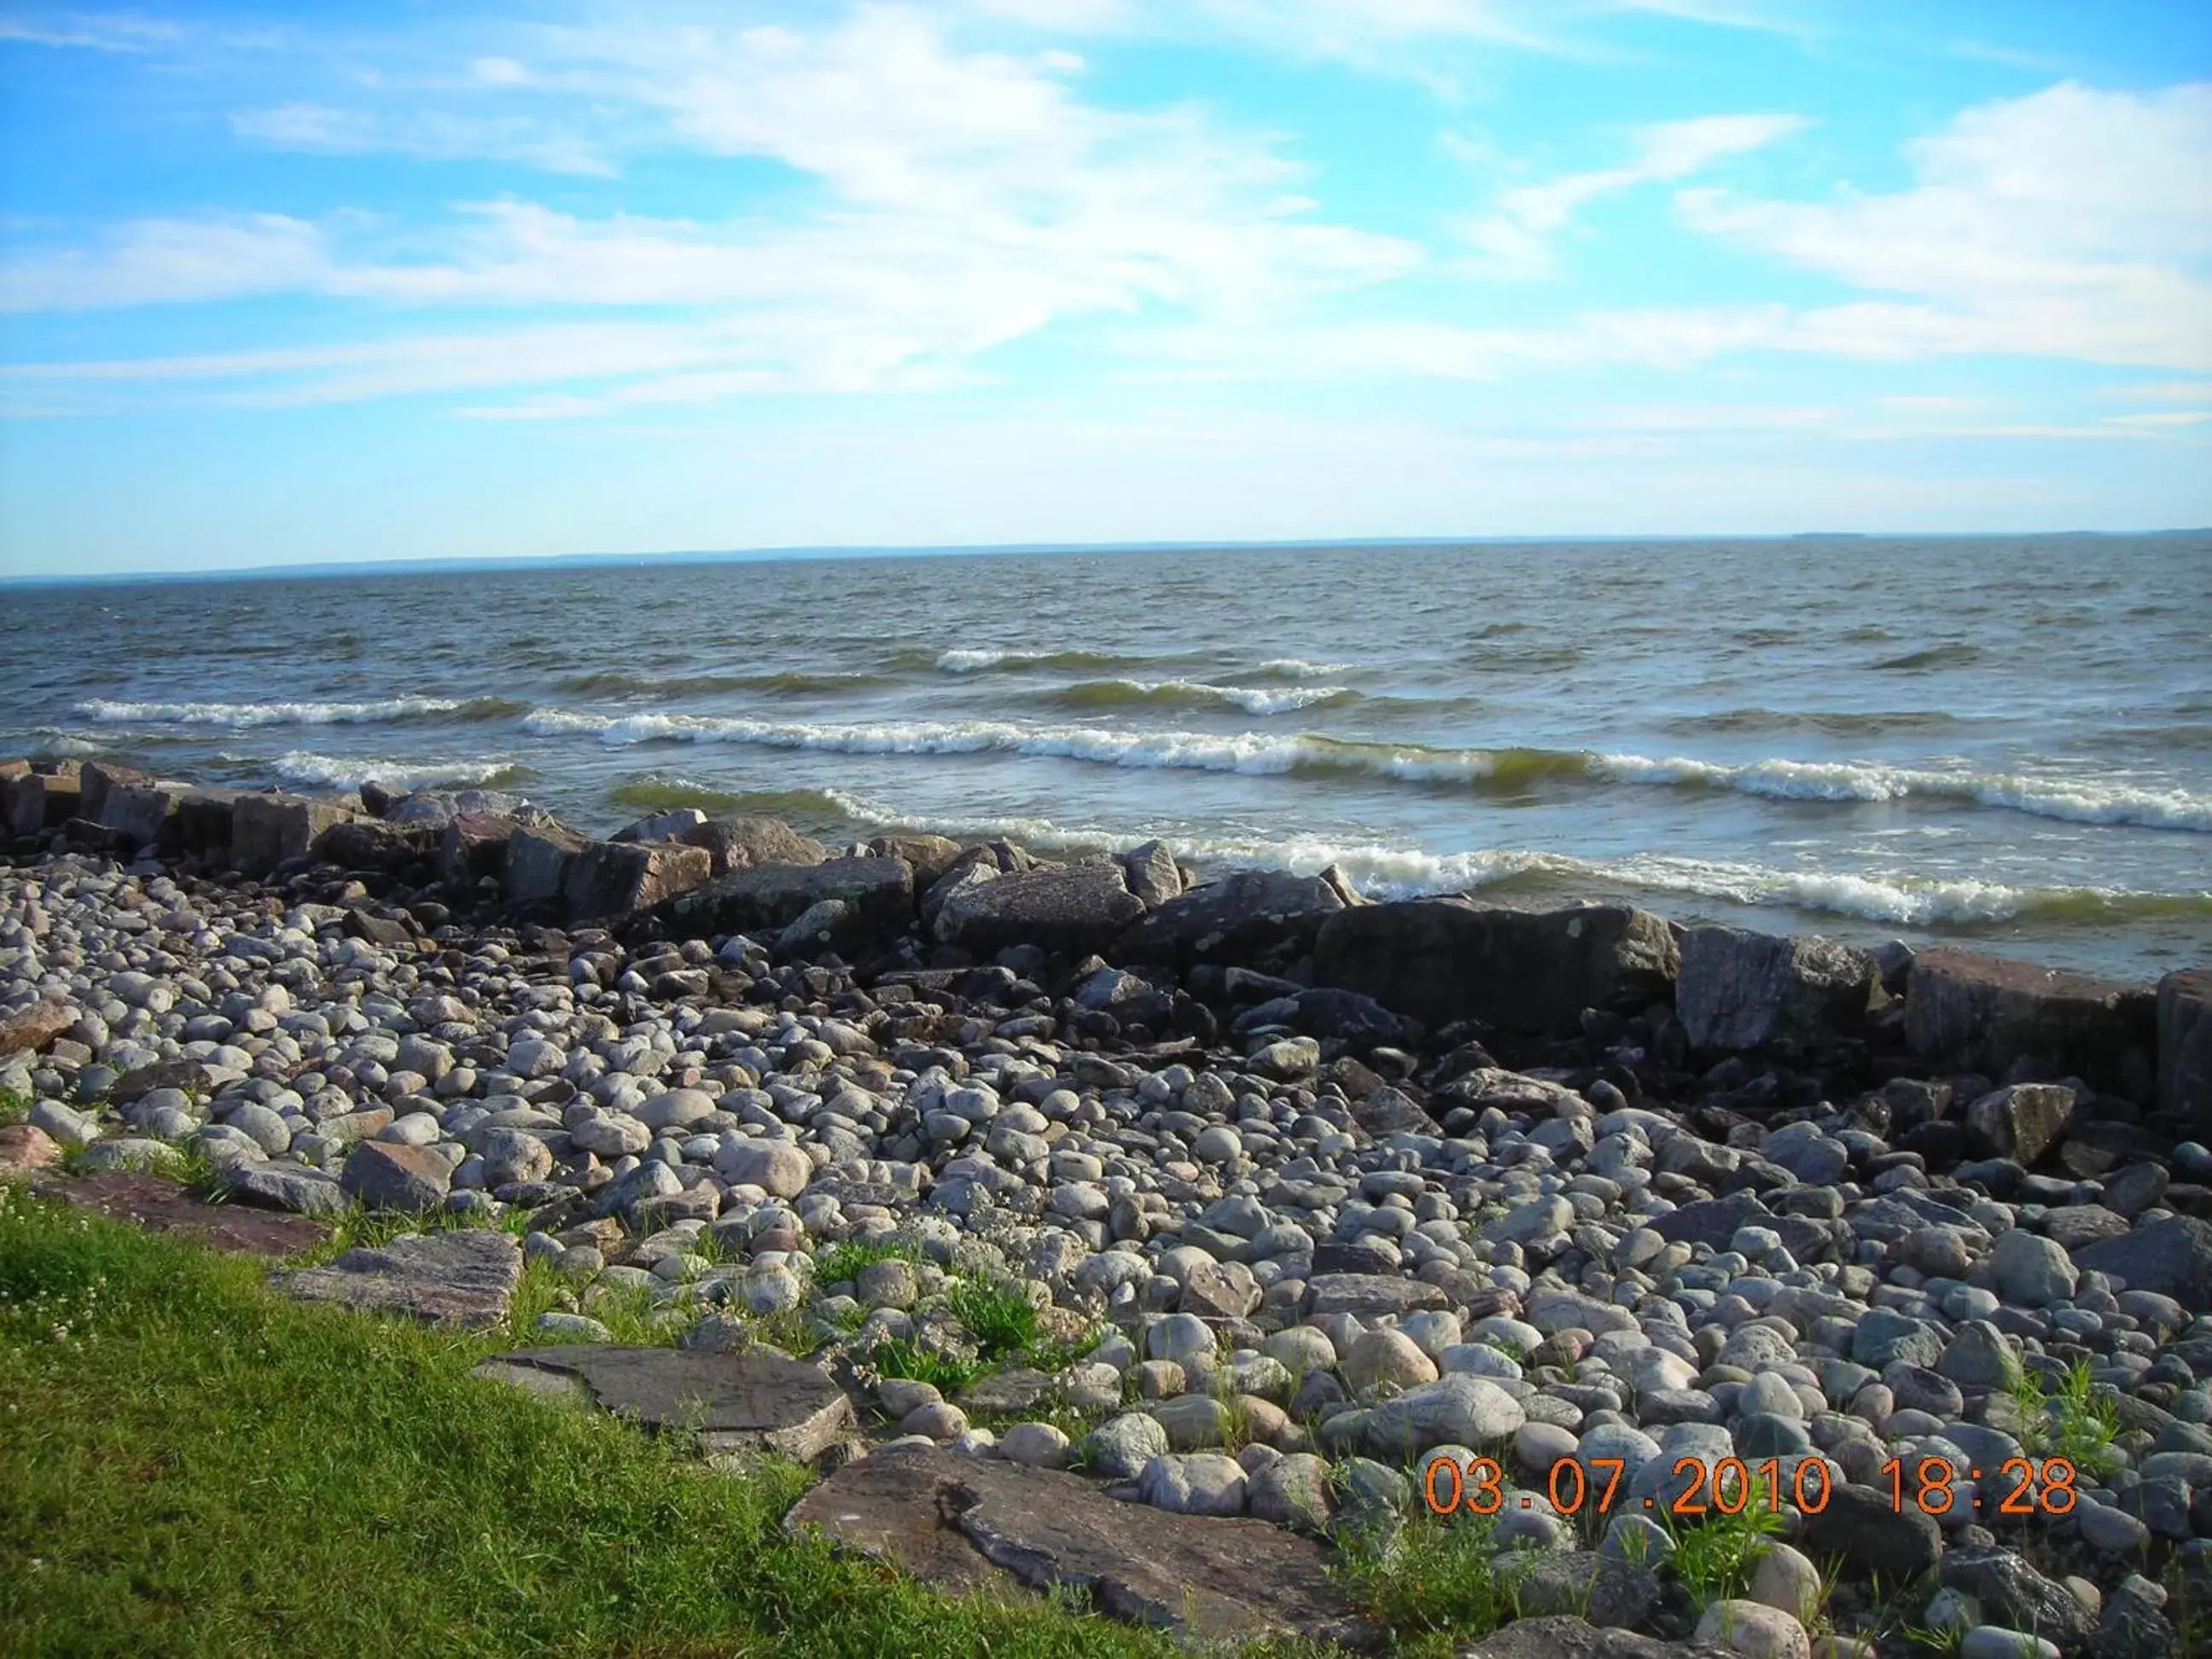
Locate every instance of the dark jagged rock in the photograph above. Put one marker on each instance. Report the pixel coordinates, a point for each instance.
(2171, 1257)
(1742, 990)
(539, 858)
(1257, 918)
(615, 878)
(744, 841)
(967, 1523)
(768, 897)
(1075, 911)
(1988, 1013)
(2184, 1048)
(1534, 971)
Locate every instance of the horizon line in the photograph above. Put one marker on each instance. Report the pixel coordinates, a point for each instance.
(460, 562)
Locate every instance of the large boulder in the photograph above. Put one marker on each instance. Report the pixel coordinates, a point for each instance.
(96, 779)
(268, 830)
(374, 844)
(1533, 971)
(539, 858)
(930, 855)
(206, 821)
(2185, 1046)
(1982, 1013)
(768, 897)
(2170, 1257)
(46, 796)
(1744, 990)
(743, 843)
(1254, 918)
(474, 846)
(1078, 911)
(612, 878)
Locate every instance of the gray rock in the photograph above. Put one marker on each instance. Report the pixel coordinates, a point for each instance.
(1122, 1446)
(2170, 1257)
(734, 1403)
(2032, 1272)
(1746, 990)
(465, 1280)
(967, 1524)
(1444, 959)
(1203, 1483)
(281, 1185)
(2010, 1590)
(387, 1175)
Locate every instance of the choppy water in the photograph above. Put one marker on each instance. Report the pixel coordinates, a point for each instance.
(2005, 740)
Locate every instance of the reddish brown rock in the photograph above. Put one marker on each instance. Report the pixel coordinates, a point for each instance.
(162, 1205)
(25, 1150)
(34, 1027)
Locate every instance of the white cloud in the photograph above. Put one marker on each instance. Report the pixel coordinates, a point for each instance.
(2074, 224)
(964, 199)
(120, 31)
(153, 261)
(2163, 418)
(428, 135)
(1515, 240)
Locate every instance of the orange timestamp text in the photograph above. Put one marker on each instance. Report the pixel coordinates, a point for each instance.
(1730, 1485)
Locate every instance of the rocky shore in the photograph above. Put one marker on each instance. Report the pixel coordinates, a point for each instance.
(1087, 1192)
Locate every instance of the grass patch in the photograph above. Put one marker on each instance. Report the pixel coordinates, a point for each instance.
(841, 1262)
(2073, 1421)
(190, 1465)
(14, 1106)
(1433, 1586)
(1002, 1320)
(1715, 1557)
(946, 1372)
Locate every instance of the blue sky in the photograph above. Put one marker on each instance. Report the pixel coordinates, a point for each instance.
(423, 280)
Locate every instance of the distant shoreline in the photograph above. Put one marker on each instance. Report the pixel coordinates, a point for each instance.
(464, 564)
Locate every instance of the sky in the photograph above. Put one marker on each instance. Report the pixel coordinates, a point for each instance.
(290, 285)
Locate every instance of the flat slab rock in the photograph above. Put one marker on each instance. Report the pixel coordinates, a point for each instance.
(735, 1403)
(968, 1523)
(162, 1206)
(461, 1279)
(1565, 1636)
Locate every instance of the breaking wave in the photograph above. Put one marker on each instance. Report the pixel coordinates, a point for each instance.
(1262, 754)
(242, 716)
(350, 772)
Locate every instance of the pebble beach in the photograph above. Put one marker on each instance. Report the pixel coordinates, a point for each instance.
(1249, 1198)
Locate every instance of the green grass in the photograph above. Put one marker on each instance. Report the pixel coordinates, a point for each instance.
(190, 1465)
(840, 1262)
(946, 1373)
(15, 1106)
(1432, 1585)
(2074, 1422)
(1002, 1320)
(1715, 1557)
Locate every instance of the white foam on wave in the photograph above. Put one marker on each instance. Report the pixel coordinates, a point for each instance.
(1262, 754)
(241, 716)
(350, 772)
(1253, 700)
(970, 660)
(1251, 752)
(2075, 800)
(1299, 668)
(1384, 872)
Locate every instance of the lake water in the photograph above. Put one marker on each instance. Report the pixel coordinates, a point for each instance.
(2007, 741)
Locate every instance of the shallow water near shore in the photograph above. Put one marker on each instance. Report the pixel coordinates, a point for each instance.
(2002, 741)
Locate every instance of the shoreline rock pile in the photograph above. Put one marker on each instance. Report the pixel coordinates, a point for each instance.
(1249, 1199)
